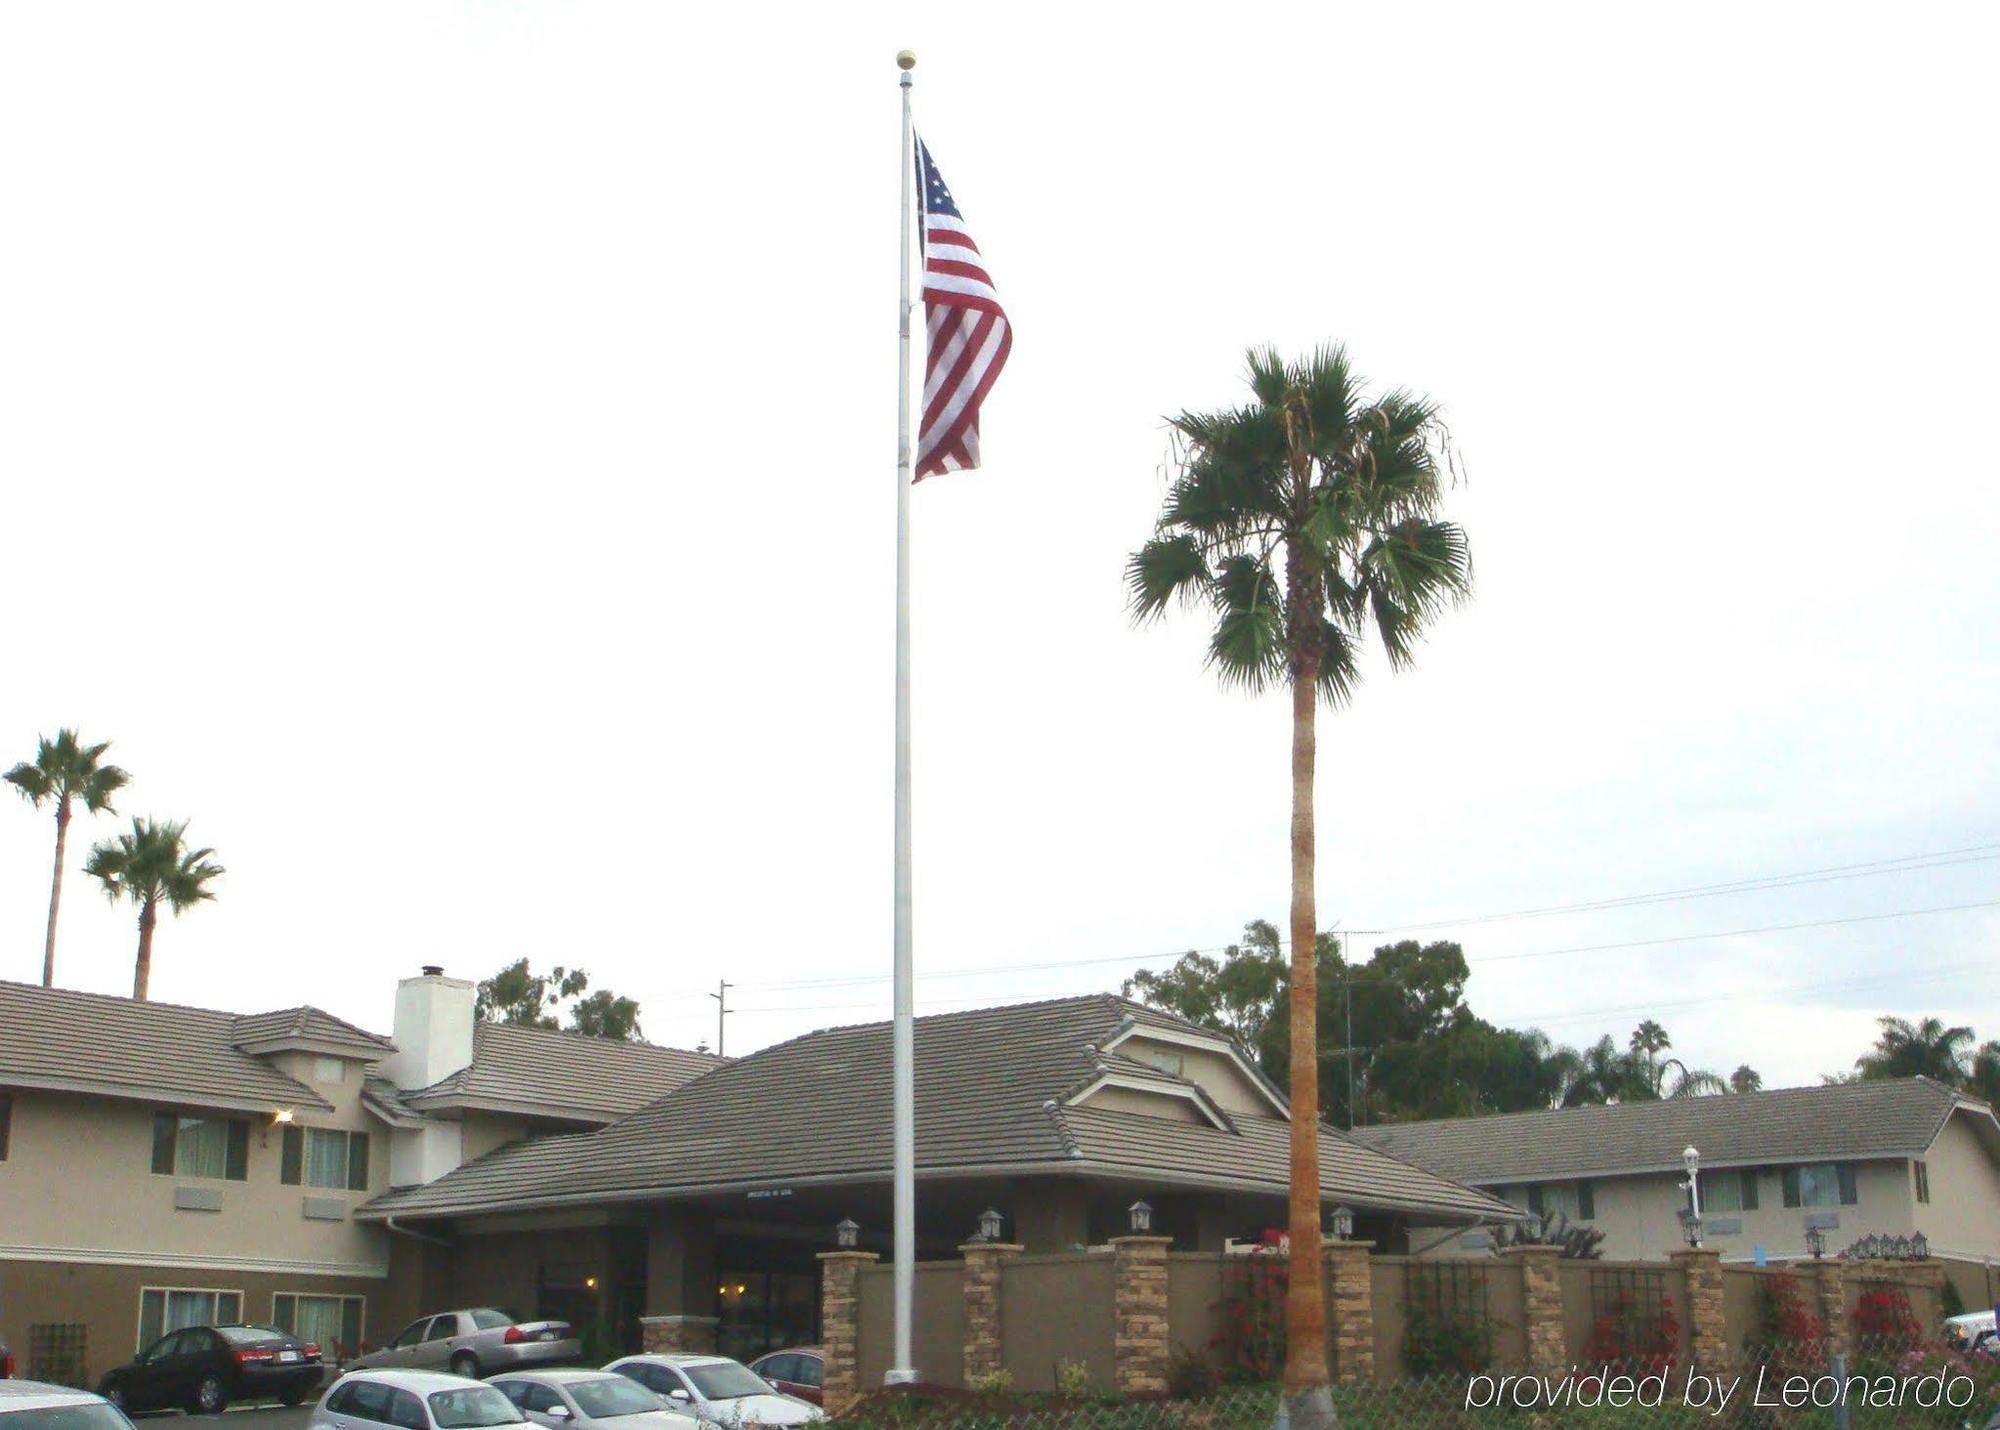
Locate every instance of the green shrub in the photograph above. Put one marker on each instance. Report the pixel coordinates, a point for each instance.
(1073, 1377)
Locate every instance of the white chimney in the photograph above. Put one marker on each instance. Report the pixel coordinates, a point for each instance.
(433, 1033)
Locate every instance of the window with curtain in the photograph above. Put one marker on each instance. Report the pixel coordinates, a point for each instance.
(1820, 1184)
(334, 1322)
(163, 1309)
(1733, 1190)
(201, 1146)
(1575, 1200)
(324, 1157)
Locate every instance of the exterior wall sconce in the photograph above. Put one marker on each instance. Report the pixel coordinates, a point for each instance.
(1343, 1223)
(847, 1233)
(1142, 1218)
(989, 1225)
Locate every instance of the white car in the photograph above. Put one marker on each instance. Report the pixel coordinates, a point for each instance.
(717, 1389)
(590, 1400)
(412, 1400)
(33, 1405)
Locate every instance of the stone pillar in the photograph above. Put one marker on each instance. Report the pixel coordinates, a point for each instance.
(1140, 1346)
(669, 1335)
(1542, 1305)
(840, 1325)
(1351, 1308)
(1701, 1267)
(983, 1260)
(1831, 1303)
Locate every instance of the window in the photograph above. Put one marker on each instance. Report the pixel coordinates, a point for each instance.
(324, 1157)
(488, 1319)
(87, 1416)
(332, 1322)
(540, 1399)
(608, 1397)
(411, 1333)
(1729, 1191)
(329, 1070)
(6, 1122)
(201, 1146)
(472, 1408)
(442, 1328)
(168, 1308)
(1159, 1058)
(1575, 1200)
(1820, 1184)
(1923, 1172)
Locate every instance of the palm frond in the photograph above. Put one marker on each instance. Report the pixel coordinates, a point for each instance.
(31, 780)
(1248, 645)
(1165, 567)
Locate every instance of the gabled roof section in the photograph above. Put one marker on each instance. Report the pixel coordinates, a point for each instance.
(308, 1030)
(1845, 1122)
(541, 1072)
(61, 1040)
(992, 1089)
(1151, 1025)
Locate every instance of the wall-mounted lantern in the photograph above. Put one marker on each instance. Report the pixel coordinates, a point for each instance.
(1142, 1218)
(1343, 1223)
(847, 1233)
(989, 1225)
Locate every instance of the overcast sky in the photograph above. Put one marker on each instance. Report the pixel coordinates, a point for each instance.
(448, 448)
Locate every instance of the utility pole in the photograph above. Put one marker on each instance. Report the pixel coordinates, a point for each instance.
(721, 997)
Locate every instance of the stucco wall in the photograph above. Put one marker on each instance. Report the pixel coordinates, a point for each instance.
(1962, 1217)
(1640, 1216)
(78, 1185)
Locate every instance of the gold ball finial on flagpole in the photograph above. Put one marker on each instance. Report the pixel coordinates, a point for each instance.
(906, 59)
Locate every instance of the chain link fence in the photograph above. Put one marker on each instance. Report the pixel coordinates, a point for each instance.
(1894, 1381)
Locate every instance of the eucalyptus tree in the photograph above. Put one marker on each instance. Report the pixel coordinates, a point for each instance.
(65, 772)
(149, 866)
(1305, 521)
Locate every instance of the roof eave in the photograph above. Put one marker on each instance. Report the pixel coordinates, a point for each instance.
(167, 1097)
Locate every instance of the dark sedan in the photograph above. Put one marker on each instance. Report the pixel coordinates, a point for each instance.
(201, 1369)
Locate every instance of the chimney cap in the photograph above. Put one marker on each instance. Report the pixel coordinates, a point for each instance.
(433, 970)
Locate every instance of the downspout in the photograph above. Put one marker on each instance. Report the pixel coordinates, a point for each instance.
(426, 1238)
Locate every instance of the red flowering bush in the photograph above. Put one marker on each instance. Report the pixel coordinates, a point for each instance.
(1624, 1338)
(1251, 1343)
(1883, 1318)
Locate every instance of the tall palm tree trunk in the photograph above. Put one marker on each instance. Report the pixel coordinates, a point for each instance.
(1307, 1403)
(55, 896)
(142, 967)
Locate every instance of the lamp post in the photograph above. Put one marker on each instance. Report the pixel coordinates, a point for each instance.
(1691, 1159)
(847, 1233)
(1816, 1242)
(989, 1225)
(1142, 1218)
(1343, 1223)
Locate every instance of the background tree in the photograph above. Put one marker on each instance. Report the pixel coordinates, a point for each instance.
(1985, 1079)
(1305, 520)
(64, 771)
(522, 998)
(1922, 1049)
(1746, 1079)
(150, 866)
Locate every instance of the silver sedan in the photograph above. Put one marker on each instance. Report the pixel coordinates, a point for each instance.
(589, 1400)
(478, 1342)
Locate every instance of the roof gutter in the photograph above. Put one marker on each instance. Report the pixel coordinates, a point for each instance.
(424, 1237)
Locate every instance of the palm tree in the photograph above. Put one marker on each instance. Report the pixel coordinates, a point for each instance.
(1746, 1079)
(1923, 1049)
(1984, 1081)
(65, 770)
(1303, 520)
(150, 866)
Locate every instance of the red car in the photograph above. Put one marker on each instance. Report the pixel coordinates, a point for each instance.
(798, 1371)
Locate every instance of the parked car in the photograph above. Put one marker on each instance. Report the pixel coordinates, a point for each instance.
(800, 1371)
(201, 1369)
(31, 1405)
(717, 1390)
(1963, 1333)
(475, 1343)
(590, 1400)
(413, 1400)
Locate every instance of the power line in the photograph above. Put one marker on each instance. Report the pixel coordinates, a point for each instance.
(1899, 864)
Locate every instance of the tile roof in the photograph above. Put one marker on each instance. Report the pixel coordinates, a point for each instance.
(307, 1026)
(154, 1052)
(1846, 1121)
(991, 1085)
(544, 1072)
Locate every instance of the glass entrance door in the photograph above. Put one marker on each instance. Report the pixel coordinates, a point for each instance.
(765, 1310)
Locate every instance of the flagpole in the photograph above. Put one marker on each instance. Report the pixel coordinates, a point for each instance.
(902, 1369)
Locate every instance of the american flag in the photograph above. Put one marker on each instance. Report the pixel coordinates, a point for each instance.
(967, 332)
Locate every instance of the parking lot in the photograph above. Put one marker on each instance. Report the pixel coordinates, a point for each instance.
(246, 1417)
